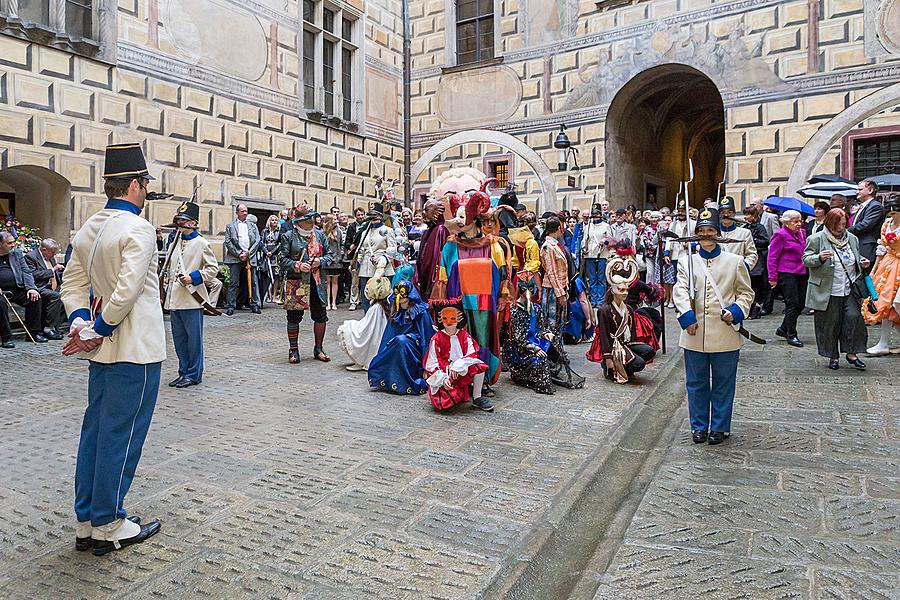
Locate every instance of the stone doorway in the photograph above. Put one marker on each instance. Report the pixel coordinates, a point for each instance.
(40, 198)
(658, 120)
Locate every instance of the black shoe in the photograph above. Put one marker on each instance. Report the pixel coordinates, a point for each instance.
(229, 311)
(857, 363)
(795, 342)
(293, 356)
(484, 404)
(780, 333)
(7, 344)
(765, 312)
(834, 364)
(716, 438)
(185, 383)
(255, 310)
(53, 335)
(82, 544)
(175, 382)
(102, 547)
(39, 337)
(699, 436)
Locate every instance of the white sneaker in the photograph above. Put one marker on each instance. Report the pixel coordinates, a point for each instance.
(352, 307)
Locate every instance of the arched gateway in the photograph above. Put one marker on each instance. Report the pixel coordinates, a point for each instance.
(40, 198)
(656, 121)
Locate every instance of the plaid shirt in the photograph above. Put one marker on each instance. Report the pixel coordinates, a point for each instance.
(556, 268)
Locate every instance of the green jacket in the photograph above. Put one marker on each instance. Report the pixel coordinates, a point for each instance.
(821, 275)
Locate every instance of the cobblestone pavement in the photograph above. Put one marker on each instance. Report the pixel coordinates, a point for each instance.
(295, 481)
(802, 502)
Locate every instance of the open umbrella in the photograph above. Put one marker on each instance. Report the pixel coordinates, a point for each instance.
(826, 189)
(829, 178)
(889, 182)
(783, 203)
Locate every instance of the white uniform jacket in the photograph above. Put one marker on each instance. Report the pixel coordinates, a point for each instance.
(376, 252)
(595, 234)
(675, 250)
(114, 258)
(745, 248)
(733, 279)
(192, 257)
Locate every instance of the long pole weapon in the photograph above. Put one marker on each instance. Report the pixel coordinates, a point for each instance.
(687, 201)
(13, 308)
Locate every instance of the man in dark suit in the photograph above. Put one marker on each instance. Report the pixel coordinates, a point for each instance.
(866, 223)
(17, 284)
(241, 245)
(47, 274)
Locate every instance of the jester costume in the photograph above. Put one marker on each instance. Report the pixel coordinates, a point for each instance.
(397, 368)
(452, 364)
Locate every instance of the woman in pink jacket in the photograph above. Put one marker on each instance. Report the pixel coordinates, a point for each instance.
(786, 268)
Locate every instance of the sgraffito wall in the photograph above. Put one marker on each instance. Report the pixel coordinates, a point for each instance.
(782, 69)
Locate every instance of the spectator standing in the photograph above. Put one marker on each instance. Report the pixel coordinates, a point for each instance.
(766, 218)
(786, 268)
(241, 243)
(555, 295)
(759, 280)
(269, 280)
(595, 250)
(333, 271)
(354, 232)
(865, 224)
(834, 262)
(815, 225)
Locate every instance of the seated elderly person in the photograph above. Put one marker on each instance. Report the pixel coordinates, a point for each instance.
(17, 285)
(47, 274)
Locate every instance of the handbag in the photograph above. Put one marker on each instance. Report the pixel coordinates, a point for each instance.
(859, 287)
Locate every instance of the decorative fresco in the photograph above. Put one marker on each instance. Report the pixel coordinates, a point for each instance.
(728, 62)
(547, 21)
(882, 31)
(498, 89)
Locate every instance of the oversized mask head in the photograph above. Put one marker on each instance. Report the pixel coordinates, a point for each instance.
(621, 271)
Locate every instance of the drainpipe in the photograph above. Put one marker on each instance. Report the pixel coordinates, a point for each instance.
(407, 108)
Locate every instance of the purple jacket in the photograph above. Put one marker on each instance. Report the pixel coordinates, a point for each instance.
(786, 253)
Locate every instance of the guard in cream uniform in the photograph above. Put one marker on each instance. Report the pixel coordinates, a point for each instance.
(722, 298)
(191, 266)
(744, 247)
(674, 250)
(111, 292)
(376, 250)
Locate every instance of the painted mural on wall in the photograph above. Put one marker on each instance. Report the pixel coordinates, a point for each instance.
(882, 31)
(187, 25)
(546, 21)
(730, 63)
(498, 91)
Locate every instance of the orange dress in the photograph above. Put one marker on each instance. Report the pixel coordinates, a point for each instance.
(886, 277)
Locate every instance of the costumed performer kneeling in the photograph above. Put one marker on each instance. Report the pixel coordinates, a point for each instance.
(722, 296)
(398, 366)
(616, 345)
(361, 338)
(452, 365)
(529, 341)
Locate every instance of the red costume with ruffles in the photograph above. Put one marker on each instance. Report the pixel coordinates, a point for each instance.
(453, 357)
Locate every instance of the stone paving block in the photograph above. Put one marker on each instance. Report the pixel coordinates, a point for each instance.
(695, 537)
(758, 510)
(457, 527)
(364, 448)
(827, 430)
(864, 419)
(872, 555)
(742, 412)
(862, 447)
(446, 489)
(387, 476)
(824, 484)
(827, 463)
(712, 474)
(28, 529)
(673, 573)
(862, 517)
(853, 585)
(316, 463)
(555, 461)
(217, 468)
(725, 455)
(246, 445)
(514, 505)
(883, 487)
(189, 505)
(535, 481)
(495, 451)
(374, 507)
(521, 421)
(396, 567)
(294, 486)
(443, 462)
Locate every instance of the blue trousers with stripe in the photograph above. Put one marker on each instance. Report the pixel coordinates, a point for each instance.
(187, 335)
(710, 378)
(121, 399)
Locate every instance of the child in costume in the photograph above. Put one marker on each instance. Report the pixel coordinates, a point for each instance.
(361, 338)
(397, 368)
(616, 345)
(452, 365)
(886, 278)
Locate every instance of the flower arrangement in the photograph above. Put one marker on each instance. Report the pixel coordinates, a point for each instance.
(26, 236)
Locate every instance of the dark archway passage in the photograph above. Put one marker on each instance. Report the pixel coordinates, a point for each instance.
(658, 120)
(41, 198)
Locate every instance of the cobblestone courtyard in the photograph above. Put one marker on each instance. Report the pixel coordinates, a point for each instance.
(282, 481)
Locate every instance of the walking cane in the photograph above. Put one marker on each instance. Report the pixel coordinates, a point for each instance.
(13, 308)
(249, 282)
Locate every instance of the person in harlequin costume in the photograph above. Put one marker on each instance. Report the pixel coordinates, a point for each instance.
(616, 345)
(529, 342)
(452, 366)
(397, 368)
(470, 275)
(886, 278)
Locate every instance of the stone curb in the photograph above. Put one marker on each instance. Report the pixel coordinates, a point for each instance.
(550, 562)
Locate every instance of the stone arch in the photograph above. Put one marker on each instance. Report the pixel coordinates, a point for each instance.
(655, 122)
(43, 199)
(504, 140)
(832, 131)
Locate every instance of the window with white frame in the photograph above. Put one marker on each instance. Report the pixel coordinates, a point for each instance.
(73, 25)
(330, 51)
